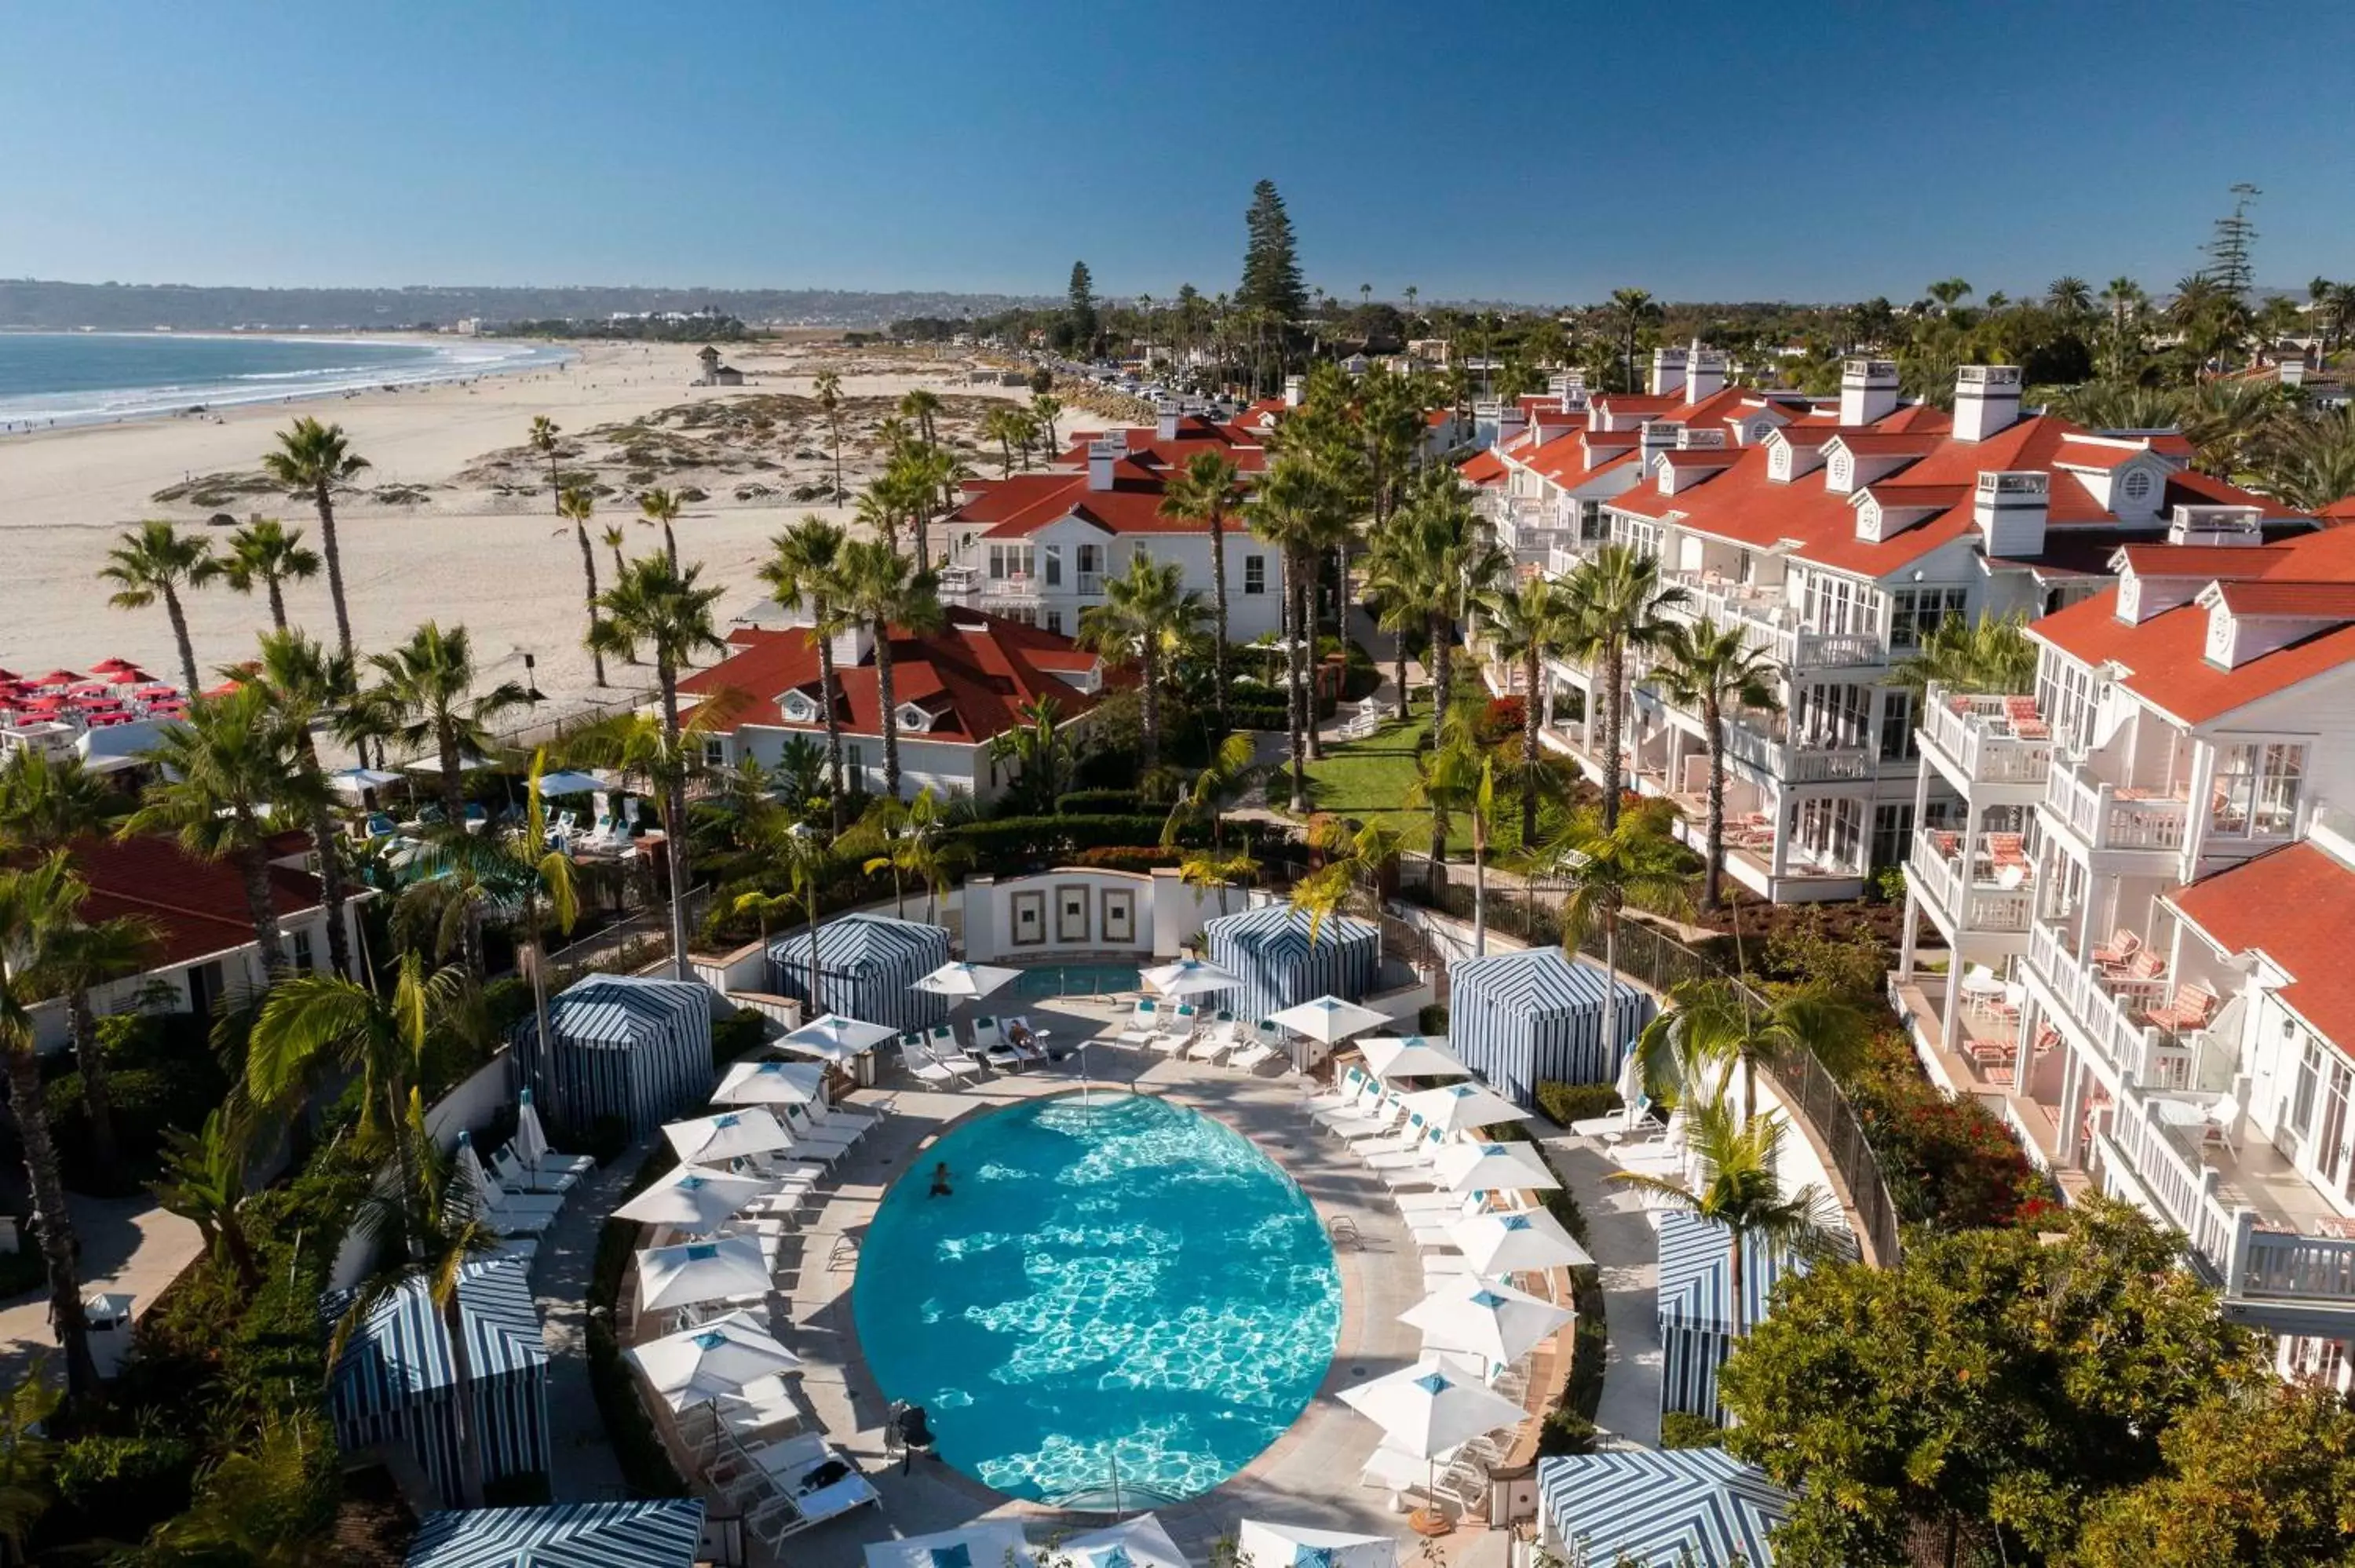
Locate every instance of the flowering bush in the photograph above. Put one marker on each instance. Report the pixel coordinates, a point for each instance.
(1951, 1163)
(1502, 718)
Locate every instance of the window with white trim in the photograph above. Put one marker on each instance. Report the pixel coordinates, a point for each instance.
(1254, 574)
(2258, 784)
(2064, 695)
(1915, 613)
(2137, 484)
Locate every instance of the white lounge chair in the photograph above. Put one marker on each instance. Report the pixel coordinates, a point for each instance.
(1372, 1106)
(920, 1064)
(1144, 1022)
(990, 1043)
(1021, 1038)
(1213, 1043)
(1342, 1095)
(942, 1045)
(516, 1178)
(798, 1505)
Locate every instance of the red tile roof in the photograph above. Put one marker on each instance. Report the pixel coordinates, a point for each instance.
(198, 906)
(2340, 511)
(2296, 601)
(1022, 504)
(2294, 905)
(1482, 468)
(2207, 562)
(972, 678)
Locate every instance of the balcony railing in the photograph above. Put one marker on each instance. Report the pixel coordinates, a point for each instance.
(1969, 906)
(1774, 755)
(1090, 585)
(2113, 817)
(2093, 1004)
(1770, 624)
(1975, 735)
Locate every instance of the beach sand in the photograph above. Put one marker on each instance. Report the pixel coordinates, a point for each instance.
(481, 546)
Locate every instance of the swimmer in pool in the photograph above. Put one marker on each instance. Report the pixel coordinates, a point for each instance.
(941, 1180)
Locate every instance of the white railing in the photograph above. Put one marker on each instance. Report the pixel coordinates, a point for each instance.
(2123, 1041)
(1090, 584)
(1776, 756)
(2188, 1191)
(1837, 650)
(1769, 623)
(2092, 811)
(1978, 906)
(2294, 1267)
(1980, 743)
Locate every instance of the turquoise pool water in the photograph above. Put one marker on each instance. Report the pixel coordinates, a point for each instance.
(1078, 979)
(1119, 1290)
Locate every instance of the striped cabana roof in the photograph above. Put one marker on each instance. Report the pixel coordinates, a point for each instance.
(628, 1046)
(1535, 1015)
(397, 1381)
(867, 968)
(1696, 1306)
(1686, 1508)
(1269, 947)
(663, 1532)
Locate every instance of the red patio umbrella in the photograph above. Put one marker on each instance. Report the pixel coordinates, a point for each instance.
(114, 665)
(157, 689)
(58, 678)
(129, 675)
(9, 678)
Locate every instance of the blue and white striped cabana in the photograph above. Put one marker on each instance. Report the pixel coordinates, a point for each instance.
(1687, 1508)
(867, 966)
(1534, 1016)
(663, 1532)
(398, 1382)
(1269, 947)
(1696, 1306)
(626, 1046)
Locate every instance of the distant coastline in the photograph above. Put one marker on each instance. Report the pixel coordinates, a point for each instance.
(59, 380)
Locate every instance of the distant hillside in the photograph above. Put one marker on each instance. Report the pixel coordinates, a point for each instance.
(31, 303)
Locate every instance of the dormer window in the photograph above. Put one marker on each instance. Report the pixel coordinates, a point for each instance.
(1778, 463)
(2138, 484)
(913, 717)
(799, 709)
(1840, 473)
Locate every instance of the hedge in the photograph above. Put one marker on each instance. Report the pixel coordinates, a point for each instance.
(1271, 713)
(1099, 804)
(1127, 857)
(1683, 1429)
(1566, 1103)
(1017, 845)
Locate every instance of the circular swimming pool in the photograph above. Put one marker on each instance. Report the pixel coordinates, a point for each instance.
(1117, 1296)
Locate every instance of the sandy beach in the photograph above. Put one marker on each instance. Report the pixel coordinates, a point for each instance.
(454, 522)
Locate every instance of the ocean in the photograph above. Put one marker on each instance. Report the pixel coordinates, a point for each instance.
(76, 378)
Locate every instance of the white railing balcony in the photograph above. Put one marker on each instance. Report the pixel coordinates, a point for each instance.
(1090, 585)
(1771, 752)
(1968, 905)
(1771, 624)
(2106, 1009)
(2113, 817)
(1975, 735)
(1019, 590)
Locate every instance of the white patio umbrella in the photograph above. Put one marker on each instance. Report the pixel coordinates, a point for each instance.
(1140, 1542)
(1190, 977)
(711, 1362)
(569, 782)
(1328, 1019)
(1480, 1317)
(717, 1139)
(1498, 1244)
(1429, 1409)
(833, 1038)
(1491, 1166)
(468, 761)
(357, 782)
(771, 1084)
(991, 1543)
(1412, 1057)
(693, 1198)
(531, 1143)
(1267, 1545)
(1631, 1087)
(967, 981)
(681, 1276)
(1460, 1107)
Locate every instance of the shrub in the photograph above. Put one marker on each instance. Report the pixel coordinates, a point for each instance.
(1949, 1162)
(1127, 857)
(1098, 803)
(1565, 1432)
(1501, 718)
(1017, 845)
(1567, 1103)
(121, 1485)
(738, 1035)
(1682, 1429)
(162, 1071)
(1269, 713)
(1431, 1018)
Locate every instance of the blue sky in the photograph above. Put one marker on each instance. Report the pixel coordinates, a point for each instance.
(1542, 152)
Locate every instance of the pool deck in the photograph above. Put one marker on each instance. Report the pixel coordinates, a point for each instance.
(1307, 1477)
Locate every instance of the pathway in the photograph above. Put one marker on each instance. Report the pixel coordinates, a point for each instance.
(128, 1244)
(1628, 1251)
(582, 1467)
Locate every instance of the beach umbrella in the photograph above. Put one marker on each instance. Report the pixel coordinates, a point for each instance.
(1328, 1019)
(356, 781)
(693, 1198)
(835, 1038)
(57, 678)
(1491, 1166)
(1460, 1107)
(1631, 1087)
(569, 782)
(1427, 1410)
(1190, 977)
(1267, 1545)
(771, 1084)
(1480, 1317)
(711, 1362)
(10, 677)
(964, 979)
(1140, 1542)
(1498, 1244)
(716, 1139)
(1412, 1057)
(531, 1143)
(681, 1276)
(988, 1544)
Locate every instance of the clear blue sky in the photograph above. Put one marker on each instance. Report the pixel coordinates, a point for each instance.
(1542, 152)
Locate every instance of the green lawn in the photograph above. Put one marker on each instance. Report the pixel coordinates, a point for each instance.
(1368, 780)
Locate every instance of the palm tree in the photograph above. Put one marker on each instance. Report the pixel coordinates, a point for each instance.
(33, 903)
(883, 505)
(667, 613)
(1220, 869)
(809, 864)
(576, 506)
(1208, 490)
(903, 837)
(921, 404)
(662, 506)
(1616, 599)
(1204, 801)
(28, 1454)
(1038, 753)
(216, 777)
(544, 440)
(1354, 866)
(827, 387)
(1452, 780)
(1524, 622)
(424, 696)
(1605, 867)
(204, 1183)
(155, 561)
(1394, 582)
(2312, 463)
(1293, 510)
(1045, 407)
(1147, 616)
(305, 683)
(311, 459)
(1456, 560)
(1949, 293)
(79, 955)
(1990, 654)
(46, 802)
(258, 1505)
(1733, 1027)
(268, 553)
(2070, 295)
(614, 540)
(1743, 1192)
(1707, 668)
(803, 569)
(883, 588)
(1002, 425)
(1635, 307)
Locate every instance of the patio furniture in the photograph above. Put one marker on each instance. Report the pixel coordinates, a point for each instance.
(2122, 946)
(2223, 1122)
(989, 1044)
(515, 1177)
(920, 1064)
(2193, 1005)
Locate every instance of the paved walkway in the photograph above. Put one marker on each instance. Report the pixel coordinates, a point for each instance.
(582, 1467)
(128, 1244)
(1628, 1251)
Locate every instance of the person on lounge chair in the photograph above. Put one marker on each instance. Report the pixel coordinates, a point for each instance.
(1018, 1035)
(941, 1182)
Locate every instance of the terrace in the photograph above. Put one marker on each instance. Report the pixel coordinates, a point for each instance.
(1995, 891)
(1975, 738)
(1772, 624)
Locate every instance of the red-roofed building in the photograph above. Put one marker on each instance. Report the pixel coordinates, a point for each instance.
(953, 691)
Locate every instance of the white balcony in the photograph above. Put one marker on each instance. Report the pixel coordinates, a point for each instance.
(2113, 1011)
(1771, 752)
(1090, 585)
(1983, 741)
(2105, 816)
(1978, 901)
(1770, 624)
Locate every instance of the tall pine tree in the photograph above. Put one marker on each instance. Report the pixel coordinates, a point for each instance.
(1083, 311)
(1270, 298)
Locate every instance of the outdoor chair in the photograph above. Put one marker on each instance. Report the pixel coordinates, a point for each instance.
(514, 1177)
(1343, 1096)
(2122, 947)
(1021, 1036)
(1144, 1023)
(990, 1045)
(920, 1064)
(2194, 1006)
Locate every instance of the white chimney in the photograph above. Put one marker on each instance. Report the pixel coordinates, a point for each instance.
(1106, 449)
(1294, 387)
(1986, 400)
(853, 646)
(1165, 415)
(1868, 390)
(1511, 421)
(2010, 508)
(1658, 436)
(1667, 371)
(2292, 371)
(1704, 373)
